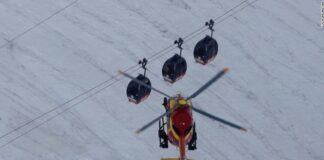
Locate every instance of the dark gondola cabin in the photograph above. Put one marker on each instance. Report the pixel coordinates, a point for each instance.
(174, 68)
(205, 50)
(137, 93)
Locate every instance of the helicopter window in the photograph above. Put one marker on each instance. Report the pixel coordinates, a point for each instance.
(188, 130)
(176, 129)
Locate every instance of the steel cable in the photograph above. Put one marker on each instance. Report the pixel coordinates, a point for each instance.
(112, 80)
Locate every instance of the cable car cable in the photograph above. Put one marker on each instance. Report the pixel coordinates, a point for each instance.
(171, 47)
(63, 104)
(38, 24)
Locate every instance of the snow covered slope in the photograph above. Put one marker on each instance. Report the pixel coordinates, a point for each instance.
(54, 50)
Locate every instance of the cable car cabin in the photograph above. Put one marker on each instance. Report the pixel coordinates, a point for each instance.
(205, 50)
(174, 68)
(137, 93)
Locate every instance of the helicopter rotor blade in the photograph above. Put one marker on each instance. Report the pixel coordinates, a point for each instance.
(210, 82)
(141, 83)
(156, 119)
(219, 119)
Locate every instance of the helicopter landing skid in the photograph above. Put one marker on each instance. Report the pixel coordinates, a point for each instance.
(192, 145)
(162, 135)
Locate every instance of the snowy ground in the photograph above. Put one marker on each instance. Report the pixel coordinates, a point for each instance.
(54, 50)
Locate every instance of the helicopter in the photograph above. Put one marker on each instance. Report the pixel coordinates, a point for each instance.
(181, 130)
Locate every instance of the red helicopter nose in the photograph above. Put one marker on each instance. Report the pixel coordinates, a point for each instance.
(182, 121)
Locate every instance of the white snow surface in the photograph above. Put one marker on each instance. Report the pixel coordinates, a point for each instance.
(274, 49)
